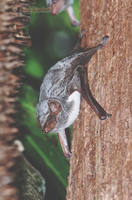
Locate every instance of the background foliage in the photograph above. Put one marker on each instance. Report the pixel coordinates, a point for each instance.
(52, 39)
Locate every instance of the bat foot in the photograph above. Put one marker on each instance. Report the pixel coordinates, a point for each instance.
(75, 23)
(68, 155)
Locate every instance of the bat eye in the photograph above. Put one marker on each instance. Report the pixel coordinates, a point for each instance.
(54, 107)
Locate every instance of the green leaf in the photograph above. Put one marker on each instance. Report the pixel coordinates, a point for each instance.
(33, 68)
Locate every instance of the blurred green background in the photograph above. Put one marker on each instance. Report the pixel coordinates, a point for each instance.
(52, 39)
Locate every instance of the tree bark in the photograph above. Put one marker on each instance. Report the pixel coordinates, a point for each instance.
(101, 165)
(12, 39)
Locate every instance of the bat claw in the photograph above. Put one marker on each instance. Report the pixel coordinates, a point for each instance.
(108, 115)
(68, 155)
(103, 117)
(75, 23)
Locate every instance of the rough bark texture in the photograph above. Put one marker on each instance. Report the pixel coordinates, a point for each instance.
(12, 39)
(101, 166)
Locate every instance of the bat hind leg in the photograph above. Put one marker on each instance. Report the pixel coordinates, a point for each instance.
(64, 144)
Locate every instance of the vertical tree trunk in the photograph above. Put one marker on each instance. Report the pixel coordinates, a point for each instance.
(101, 164)
(12, 22)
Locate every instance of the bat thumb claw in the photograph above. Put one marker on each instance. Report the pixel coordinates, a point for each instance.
(109, 115)
(103, 117)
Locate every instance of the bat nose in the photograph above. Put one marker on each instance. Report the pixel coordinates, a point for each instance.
(45, 130)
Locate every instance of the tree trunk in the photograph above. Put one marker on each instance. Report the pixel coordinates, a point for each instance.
(101, 165)
(12, 39)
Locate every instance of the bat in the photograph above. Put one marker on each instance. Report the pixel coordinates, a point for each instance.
(61, 90)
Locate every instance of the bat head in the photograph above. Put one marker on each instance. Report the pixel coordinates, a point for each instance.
(47, 114)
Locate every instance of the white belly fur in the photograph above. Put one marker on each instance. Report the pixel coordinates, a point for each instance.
(76, 98)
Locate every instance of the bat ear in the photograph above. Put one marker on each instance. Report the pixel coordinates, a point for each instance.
(54, 107)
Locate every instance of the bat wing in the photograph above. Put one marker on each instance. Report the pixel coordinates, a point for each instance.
(87, 94)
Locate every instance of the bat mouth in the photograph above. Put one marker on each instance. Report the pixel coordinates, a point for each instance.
(45, 130)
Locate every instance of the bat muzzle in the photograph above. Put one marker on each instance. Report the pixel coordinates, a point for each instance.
(50, 124)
